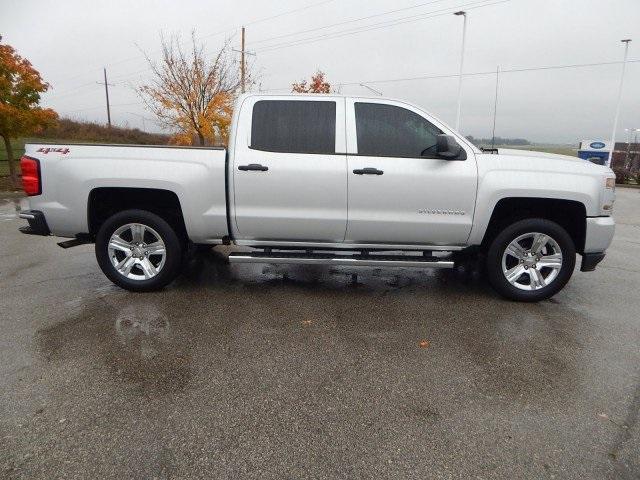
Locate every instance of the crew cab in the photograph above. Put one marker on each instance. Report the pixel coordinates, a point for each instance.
(326, 179)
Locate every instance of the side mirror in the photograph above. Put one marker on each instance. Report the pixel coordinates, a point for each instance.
(448, 148)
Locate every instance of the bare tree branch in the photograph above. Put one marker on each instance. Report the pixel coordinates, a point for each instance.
(192, 94)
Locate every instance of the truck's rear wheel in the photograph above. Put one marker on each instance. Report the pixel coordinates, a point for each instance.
(531, 260)
(138, 250)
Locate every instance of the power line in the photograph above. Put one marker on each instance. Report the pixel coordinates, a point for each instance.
(145, 120)
(376, 26)
(389, 12)
(84, 109)
(426, 77)
(264, 19)
(112, 106)
(415, 78)
(273, 47)
(131, 74)
(253, 22)
(295, 10)
(455, 75)
(74, 90)
(488, 72)
(364, 28)
(357, 30)
(143, 116)
(147, 69)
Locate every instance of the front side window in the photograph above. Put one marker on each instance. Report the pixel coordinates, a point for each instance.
(294, 126)
(390, 131)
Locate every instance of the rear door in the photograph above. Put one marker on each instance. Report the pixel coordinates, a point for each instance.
(400, 192)
(289, 184)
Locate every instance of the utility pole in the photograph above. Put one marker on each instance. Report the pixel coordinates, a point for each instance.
(464, 34)
(495, 108)
(615, 120)
(242, 65)
(106, 91)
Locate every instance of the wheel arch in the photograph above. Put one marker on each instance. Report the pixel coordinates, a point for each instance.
(103, 202)
(569, 214)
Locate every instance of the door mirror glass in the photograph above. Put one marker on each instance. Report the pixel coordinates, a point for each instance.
(448, 148)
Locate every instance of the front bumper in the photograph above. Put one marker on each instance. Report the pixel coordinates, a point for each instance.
(599, 234)
(37, 223)
(598, 237)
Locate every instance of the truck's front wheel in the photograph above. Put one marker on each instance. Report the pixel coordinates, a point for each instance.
(531, 260)
(138, 250)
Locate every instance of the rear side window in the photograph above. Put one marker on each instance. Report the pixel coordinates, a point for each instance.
(294, 126)
(390, 131)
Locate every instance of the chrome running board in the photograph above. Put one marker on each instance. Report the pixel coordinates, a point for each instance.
(359, 260)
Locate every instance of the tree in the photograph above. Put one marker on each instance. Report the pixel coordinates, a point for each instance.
(20, 90)
(193, 95)
(318, 84)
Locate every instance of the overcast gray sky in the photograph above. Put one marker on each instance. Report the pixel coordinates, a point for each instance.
(70, 42)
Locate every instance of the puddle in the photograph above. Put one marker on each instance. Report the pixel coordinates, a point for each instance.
(134, 343)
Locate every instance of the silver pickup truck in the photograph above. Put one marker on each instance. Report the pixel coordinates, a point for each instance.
(327, 179)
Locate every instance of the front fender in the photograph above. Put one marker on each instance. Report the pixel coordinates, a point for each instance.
(497, 185)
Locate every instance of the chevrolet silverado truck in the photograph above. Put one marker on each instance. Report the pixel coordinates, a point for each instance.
(326, 179)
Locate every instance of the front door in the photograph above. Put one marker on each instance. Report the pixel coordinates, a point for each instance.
(289, 184)
(400, 192)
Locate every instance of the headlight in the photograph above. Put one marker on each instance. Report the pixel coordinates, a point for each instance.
(610, 182)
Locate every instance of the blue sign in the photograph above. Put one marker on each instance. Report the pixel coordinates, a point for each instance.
(597, 145)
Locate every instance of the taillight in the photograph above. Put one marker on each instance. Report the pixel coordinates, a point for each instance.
(30, 176)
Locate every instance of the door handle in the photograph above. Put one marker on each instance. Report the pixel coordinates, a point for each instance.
(368, 171)
(253, 166)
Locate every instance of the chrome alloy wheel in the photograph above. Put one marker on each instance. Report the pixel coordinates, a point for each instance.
(532, 261)
(137, 251)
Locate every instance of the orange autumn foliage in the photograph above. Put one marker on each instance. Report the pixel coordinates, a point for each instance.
(20, 88)
(193, 95)
(318, 84)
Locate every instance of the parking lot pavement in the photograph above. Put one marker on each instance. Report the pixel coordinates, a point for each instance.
(258, 371)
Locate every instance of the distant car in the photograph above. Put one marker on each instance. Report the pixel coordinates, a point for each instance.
(327, 179)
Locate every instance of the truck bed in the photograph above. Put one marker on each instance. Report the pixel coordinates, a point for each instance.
(71, 172)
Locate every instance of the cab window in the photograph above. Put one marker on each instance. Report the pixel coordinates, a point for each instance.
(294, 126)
(391, 131)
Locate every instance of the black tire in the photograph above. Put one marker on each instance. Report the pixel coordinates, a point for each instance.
(173, 250)
(499, 244)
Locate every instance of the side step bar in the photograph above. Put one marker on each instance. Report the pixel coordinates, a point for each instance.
(343, 260)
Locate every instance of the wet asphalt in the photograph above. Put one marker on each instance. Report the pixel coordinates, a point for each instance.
(261, 371)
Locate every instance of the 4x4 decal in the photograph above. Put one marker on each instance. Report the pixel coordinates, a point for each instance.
(63, 151)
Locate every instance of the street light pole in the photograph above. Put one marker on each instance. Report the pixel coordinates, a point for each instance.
(464, 34)
(615, 120)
